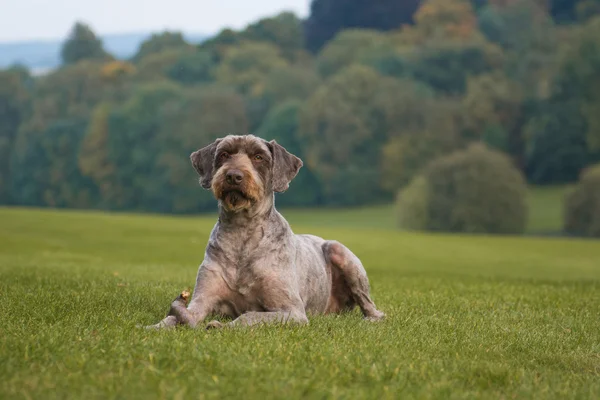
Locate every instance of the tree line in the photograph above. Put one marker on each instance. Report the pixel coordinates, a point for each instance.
(366, 93)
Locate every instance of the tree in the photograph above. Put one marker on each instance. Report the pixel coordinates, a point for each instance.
(578, 78)
(348, 47)
(476, 190)
(160, 66)
(45, 170)
(422, 129)
(343, 126)
(529, 39)
(82, 44)
(556, 145)
(582, 205)
(247, 66)
(567, 11)
(495, 113)
(151, 138)
(286, 83)
(14, 101)
(93, 157)
(160, 42)
(283, 30)
(281, 124)
(328, 17)
(193, 68)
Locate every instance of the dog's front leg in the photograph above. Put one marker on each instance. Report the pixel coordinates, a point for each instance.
(209, 288)
(267, 317)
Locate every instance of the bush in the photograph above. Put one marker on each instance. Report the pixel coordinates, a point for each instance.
(582, 205)
(411, 203)
(476, 190)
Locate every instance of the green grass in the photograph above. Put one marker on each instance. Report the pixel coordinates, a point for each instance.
(545, 213)
(468, 316)
(546, 209)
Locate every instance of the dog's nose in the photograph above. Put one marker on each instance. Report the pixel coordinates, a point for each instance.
(234, 177)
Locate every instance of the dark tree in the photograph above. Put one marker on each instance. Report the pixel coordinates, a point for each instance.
(328, 17)
(82, 44)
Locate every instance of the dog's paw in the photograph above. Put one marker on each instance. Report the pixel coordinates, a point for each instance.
(214, 325)
(377, 316)
(183, 298)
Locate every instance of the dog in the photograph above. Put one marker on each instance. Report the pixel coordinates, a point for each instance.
(255, 269)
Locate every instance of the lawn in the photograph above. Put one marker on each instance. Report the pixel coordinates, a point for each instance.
(468, 316)
(545, 214)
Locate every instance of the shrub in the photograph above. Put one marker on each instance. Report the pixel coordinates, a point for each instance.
(476, 190)
(411, 210)
(582, 205)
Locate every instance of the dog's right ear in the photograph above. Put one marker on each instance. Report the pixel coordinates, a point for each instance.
(203, 160)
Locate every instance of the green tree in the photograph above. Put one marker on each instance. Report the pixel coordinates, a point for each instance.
(283, 30)
(160, 42)
(160, 66)
(193, 68)
(495, 113)
(423, 128)
(476, 190)
(152, 136)
(529, 39)
(281, 124)
(247, 66)
(343, 126)
(582, 205)
(14, 101)
(45, 170)
(287, 83)
(82, 44)
(349, 47)
(328, 17)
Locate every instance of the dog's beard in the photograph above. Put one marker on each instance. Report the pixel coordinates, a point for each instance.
(235, 199)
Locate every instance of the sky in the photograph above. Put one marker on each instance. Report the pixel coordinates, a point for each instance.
(52, 19)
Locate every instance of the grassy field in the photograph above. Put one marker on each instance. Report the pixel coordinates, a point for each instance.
(545, 213)
(468, 317)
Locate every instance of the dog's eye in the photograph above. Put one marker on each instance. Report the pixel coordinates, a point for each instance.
(224, 155)
(258, 157)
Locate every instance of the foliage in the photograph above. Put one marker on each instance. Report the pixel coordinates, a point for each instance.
(328, 17)
(348, 47)
(192, 68)
(281, 124)
(82, 44)
(582, 205)
(14, 102)
(412, 205)
(246, 67)
(343, 126)
(283, 31)
(160, 42)
(369, 93)
(476, 190)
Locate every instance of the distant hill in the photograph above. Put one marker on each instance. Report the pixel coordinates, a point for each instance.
(41, 55)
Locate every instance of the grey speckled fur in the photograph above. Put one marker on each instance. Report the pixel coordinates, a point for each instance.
(255, 268)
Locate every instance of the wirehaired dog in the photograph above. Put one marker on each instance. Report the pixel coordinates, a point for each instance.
(255, 268)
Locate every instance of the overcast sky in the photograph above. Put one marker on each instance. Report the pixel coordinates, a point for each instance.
(52, 19)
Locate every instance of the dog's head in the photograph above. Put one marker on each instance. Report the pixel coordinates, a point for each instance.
(244, 170)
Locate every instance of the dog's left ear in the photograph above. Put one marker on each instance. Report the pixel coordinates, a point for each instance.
(285, 166)
(203, 160)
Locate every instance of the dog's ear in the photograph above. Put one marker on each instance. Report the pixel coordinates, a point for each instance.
(203, 160)
(285, 166)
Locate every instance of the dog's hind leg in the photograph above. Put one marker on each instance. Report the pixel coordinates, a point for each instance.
(340, 257)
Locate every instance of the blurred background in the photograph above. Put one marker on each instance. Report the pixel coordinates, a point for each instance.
(478, 116)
